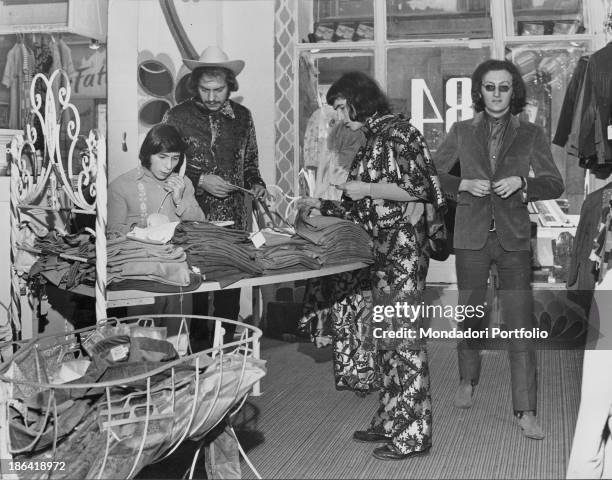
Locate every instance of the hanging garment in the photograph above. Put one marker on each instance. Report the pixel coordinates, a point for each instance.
(342, 145)
(591, 454)
(308, 91)
(597, 99)
(569, 106)
(66, 57)
(319, 124)
(17, 78)
(582, 274)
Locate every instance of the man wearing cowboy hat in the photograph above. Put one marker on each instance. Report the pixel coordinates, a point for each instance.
(221, 153)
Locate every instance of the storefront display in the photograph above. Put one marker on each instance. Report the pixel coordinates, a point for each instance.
(423, 54)
(428, 77)
(546, 17)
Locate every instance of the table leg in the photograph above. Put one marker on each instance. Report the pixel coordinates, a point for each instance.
(256, 354)
(256, 302)
(256, 292)
(29, 317)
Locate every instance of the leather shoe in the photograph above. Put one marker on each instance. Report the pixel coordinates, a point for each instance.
(370, 437)
(529, 425)
(391, 452)
(463, 395)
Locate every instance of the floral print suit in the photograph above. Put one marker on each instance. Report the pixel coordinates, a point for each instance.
(396, 152)
(220, 142)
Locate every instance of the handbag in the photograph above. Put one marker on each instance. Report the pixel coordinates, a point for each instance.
(440, 237)
(441, 241)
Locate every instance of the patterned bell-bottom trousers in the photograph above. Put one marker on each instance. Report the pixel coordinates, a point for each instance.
(404, 412)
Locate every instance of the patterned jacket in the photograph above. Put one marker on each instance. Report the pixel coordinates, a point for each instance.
(395, 152)
(222, 143)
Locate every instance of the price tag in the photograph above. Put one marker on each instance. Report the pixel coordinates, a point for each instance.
(609, 132)
(258, 239)
(120, 352)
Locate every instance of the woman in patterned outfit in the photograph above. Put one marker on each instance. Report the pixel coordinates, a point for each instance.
(393, 191)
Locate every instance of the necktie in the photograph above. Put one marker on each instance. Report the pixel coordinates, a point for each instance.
(495, 140)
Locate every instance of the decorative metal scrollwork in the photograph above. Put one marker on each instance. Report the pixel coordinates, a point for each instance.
(55, 114)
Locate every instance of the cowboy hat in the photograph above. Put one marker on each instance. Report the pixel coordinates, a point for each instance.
(213, 56)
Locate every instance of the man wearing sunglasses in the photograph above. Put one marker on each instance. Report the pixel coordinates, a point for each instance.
(504, 162)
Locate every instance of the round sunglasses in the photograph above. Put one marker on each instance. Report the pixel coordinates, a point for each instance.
(489, 87)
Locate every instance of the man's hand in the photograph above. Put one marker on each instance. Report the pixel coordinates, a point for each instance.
(507, 186)
(259, 191)
(176, 185)
(308, 202)
(355, 190)
(215, 185)
(476, 187)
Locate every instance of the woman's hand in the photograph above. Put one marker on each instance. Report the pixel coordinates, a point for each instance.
(215, 185)
(507, 186)
(355, 190)
(476, 187)
(308, 202)
(176, 185)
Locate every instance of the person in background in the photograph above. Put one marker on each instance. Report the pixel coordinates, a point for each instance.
(154, 193)
(496, 152)
(392, 190)
(221, 155)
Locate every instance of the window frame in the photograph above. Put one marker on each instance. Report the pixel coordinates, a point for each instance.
(501, 16)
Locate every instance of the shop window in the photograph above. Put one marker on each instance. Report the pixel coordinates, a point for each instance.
(546, 17)
(547, 70)
(432, 47)
(317, 71)
(432, 85)
(336, 20)
(438, 18)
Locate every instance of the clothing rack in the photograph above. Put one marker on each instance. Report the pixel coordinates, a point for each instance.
(86, 194)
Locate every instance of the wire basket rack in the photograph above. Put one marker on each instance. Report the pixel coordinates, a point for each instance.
(120, 416)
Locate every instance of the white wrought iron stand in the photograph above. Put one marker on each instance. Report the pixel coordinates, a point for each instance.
(29, 181)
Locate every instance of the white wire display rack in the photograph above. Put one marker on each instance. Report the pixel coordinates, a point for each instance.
(124, 423)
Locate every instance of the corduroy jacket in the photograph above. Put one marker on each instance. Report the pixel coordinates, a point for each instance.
(524, 148)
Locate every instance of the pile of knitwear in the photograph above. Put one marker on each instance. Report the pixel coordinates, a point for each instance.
(282, 253)
(319, 241)
(339, 240)
(222, 254)
(219, 254)
(67, 261)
